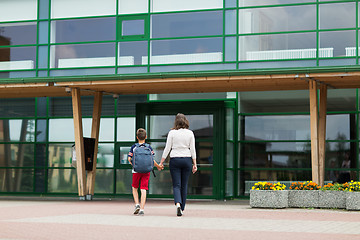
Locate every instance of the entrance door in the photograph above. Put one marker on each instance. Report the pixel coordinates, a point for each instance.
(207, 122)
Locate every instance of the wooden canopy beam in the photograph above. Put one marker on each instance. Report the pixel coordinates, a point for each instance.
(79, 143)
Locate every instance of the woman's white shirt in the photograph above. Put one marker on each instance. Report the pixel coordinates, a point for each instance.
(181, 143)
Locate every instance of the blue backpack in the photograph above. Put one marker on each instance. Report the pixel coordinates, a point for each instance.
(142, 160)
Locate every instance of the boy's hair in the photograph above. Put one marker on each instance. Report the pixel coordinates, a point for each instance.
(141, 134)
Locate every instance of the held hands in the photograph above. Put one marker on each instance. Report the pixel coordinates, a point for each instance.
(160, 167)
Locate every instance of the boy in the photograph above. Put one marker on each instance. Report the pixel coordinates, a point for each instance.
(143, 178)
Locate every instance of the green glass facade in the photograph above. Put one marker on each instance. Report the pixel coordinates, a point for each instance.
(244, 137)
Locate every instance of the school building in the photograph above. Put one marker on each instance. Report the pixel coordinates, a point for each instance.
(270, 89)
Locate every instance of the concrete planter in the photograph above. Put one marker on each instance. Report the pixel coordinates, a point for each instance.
(268, 199)
(332, 199)
(304, 198)
(353, 201)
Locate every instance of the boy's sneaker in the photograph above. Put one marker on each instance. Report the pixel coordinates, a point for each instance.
(137, 209)
(178, 212)
(141, 213)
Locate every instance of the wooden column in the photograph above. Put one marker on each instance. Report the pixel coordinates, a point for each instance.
(94, 134)
(322, 132)
(314, 131)
(79, 142)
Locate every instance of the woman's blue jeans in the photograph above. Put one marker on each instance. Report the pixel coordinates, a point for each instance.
(180, 169)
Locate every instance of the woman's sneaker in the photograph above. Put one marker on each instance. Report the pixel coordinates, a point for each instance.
(178, 212)
(137, 209)
(141, 213)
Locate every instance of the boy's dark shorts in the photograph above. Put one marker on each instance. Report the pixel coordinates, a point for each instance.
(143, 178)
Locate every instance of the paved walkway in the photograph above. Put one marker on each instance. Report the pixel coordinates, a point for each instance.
(113, 219)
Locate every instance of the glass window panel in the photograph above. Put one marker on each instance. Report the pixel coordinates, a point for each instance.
(230, 46)
(17, 58)
(274, 101)
(247, 3)
(338, 127)
(60, 106)
(84, 71)
(186, 51)
(18, 107)
(43, 9)
(342, 43)
(83, 30)
(104, 181)
(132, 53)
(201, 183)
(133, 27)
(18, 10)
(195, 67)
(183, 96)
(336, 152)
(230, 3)
(230, 22)
(70, 8)
(187, 24)
(229, 155)
(123, 152)
(16, 180)
(41, 106)
(229, 191)
(204, 154)
(259, 20)
(126, 103)
(229, 124)
(82, 55)
(293, 127)
(126, 129)
(105, 156)
(41, 130)
(337, 15)
(43, 32)
(16, 155)
(175, 5)
(41, 158)
(106, 129)
(17, 33)
(108, 106)
(61, 130)
(17, 130)
(60, 155)
(161, 185)
(341, 100)
(280, 46)
(158, 148)
(62, 181)
(40, 179)
(277, 154)
(249, 178)
(124, 181)
(134, 6)
(43, 57)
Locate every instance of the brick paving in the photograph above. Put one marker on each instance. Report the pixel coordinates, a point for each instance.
(50, 218)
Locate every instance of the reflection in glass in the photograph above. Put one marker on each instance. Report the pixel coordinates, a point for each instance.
(105, 156)
(132, 53)
(16, 155)
(337, 15)
(336, 153)
(83, 30)
(17, 58)
(187, 24)
(230, 22)
(229, 190)
(62, 181)
(133, 27)
(229, 155)
(126, 129)
(277, 154)
(18, 10)
(274, 101)
(82, 8)
(127, 7)
(162, 184)
(292, 127)
(277, 19)
(104, 181)
(201, 183)
(60, 155)
(61, 130)
(280, 46)
(175, 5)
(16, 180)
(41, 130)
(126, 103)
(124, 181)
(230, 45)
(339, 126)
(201, 125)
(341, 100)
(204, 154)
(82, 55)
(229, 124)
(342, 42)
(185, 51)
(17, 130)
(17, 33)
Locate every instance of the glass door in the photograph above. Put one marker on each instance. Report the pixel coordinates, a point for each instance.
(206, 121)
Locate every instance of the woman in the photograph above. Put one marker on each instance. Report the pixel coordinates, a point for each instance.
(181, 142)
